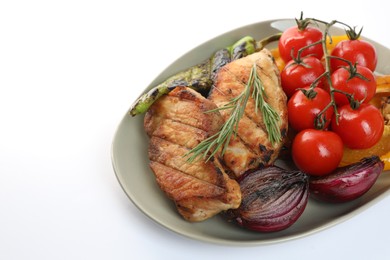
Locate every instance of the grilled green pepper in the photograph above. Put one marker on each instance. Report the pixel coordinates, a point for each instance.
(196, 77)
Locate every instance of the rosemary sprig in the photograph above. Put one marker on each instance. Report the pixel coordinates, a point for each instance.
(270, 116)
(210, 146)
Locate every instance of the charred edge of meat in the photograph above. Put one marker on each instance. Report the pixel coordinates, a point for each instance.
(224, 166)
(187, 95)
(218, 169)
(266, 154)
(184, 94)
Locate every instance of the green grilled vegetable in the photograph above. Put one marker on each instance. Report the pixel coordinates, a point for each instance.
(200, 77)
(197, 77)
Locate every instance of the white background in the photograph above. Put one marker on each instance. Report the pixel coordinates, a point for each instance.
(69, 70)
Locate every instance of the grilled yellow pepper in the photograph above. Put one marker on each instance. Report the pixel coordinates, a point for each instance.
(382, 148)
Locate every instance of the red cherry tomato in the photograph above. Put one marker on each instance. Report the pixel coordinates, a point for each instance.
(359, 128)
(360, 88)
(359, 51)
(317, 152)
(302, 74)
(294, 38)
(302, 110)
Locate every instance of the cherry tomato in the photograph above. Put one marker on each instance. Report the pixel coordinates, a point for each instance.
(361, 89)
(359, 128)
(359, 51)
(303, 109)
(317, 152)
(294, 38)
(302, 74)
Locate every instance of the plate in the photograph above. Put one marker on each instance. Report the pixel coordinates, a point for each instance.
(130, 163)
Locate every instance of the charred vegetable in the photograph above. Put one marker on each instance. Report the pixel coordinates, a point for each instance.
(200, 77)
(348, 182)
(272, 199)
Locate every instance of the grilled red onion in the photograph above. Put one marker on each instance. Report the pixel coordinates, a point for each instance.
(272, 199)
(347, 183)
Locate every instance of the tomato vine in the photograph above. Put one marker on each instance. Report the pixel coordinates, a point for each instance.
(351, 67)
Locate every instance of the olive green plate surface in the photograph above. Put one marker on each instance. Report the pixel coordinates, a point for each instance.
(130, 162)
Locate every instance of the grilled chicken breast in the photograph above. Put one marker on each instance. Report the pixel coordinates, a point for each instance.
(175, 124)
(250, 148)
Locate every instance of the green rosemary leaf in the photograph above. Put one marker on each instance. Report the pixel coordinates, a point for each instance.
(270, 116)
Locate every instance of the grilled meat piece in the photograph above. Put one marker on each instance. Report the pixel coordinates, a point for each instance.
(175, 124)
(251, 147)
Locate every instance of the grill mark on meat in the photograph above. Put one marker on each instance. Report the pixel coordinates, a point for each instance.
(236, 162)
(266, 153)
(182, 111)
(238, 156)
(171, 155)
(241, 136)
(182, 134)
(250, 105)
(180, 185)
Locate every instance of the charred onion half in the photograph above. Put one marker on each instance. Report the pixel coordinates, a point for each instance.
(272, 199)
(347, 183)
